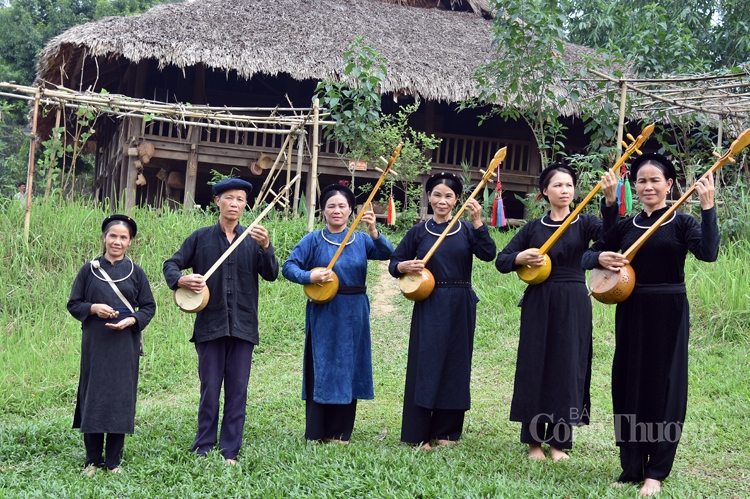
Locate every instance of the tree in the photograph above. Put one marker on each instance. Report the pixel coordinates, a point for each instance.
(26, 26)
(521, 81)
(366, 134)
(690, 36)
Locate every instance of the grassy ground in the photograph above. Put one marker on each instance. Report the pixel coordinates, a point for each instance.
(41, 456)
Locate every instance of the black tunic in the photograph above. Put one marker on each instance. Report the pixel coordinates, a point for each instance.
(232, 308)
(650, 366)
(441, 339)
(553, 367)
(108, 383)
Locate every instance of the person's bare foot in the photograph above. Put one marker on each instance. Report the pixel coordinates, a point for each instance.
(446, 443)
(558, 454)
(231, 462)
(89, 470)
(336, 441)
(650, 487)
(424, 446)
(115, 470)
(536, 453)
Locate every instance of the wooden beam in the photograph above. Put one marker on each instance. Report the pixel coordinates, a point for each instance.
(191, 170)
(312, 177)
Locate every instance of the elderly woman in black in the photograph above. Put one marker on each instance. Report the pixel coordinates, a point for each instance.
(551, 392)
(441, 339)
(112, 298)
(650, 366)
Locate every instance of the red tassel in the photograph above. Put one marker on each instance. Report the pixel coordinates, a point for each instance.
(493, 221)
(623, 208)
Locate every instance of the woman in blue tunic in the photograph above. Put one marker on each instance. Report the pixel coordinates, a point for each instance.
(338, 358)
(652, 326)
(441, 339)
(553, 366)
(110, 343)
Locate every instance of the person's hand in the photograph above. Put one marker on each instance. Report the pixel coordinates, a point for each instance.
(706, 190)
(475, 211)
(260, 235)
(612, 261)
(408, 266)
(321, 275)
(609, 187)
(530, 256)
(193, 282)
(368, 218)
(104, 311)
(119, 326)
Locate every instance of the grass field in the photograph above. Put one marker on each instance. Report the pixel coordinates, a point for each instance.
(41, 456)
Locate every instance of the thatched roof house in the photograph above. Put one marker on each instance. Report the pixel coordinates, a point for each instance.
(431, 52)
(255, 52)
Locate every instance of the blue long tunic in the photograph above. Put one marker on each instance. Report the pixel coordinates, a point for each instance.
(339, 329)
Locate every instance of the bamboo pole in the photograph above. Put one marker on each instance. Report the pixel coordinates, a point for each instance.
(314, 167)
(288, 174)
(30, 173)
(636, 89)
(300, 151)
(621, 122)
(270, 178)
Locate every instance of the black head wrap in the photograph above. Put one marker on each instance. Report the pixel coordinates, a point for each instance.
(229, 184)
(332, 190)
(661, 162)
(453, 182)
(551, 170)
(129, 222)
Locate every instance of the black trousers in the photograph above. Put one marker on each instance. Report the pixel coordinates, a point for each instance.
(638, 465)
(558, 435)
(95, 446)
(224, 360)
(325, 421)
(420, 425)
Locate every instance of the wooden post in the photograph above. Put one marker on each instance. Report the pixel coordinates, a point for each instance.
(300, 152)
(130, 171)
(30, 172)
(312, 179)
(194, 137)
(191, 172)
(135, 132)
(288, 173)
(621, 123)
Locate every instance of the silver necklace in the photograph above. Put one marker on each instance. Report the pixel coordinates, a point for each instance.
(95, 264)
(665, 223)
(350, 241)
(557, 225)
(455, 231)
(643, 227)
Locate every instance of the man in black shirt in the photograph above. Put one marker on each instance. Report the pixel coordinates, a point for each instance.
(226, 331)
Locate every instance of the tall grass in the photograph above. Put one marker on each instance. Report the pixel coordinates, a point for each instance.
(40, 456)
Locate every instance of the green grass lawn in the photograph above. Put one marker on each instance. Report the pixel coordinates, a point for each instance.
(41, 456)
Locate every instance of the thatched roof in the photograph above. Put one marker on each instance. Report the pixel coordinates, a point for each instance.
(430, 52)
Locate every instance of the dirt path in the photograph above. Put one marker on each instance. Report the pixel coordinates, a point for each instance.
(383, 292)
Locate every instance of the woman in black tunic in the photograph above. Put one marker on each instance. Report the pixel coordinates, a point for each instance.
(650, 366)
(441, 339)
(553, 370)
(110, 343)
